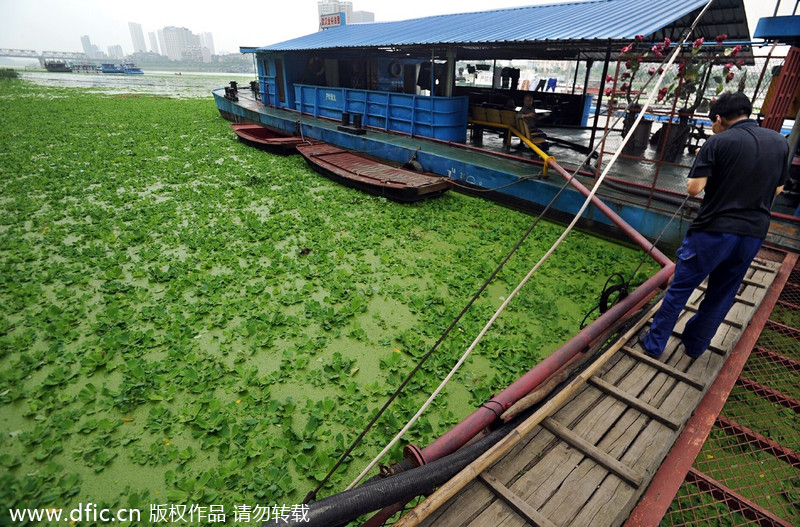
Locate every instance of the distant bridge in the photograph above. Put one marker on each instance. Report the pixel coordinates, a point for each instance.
(45, 55)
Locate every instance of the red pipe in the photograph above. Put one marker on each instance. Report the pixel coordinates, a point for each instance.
(484, 416)
(786, 217)
(624, 226)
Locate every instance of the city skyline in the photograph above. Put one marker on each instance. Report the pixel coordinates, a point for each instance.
(43, 25)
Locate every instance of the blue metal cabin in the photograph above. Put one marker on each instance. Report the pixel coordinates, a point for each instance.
(385, 71)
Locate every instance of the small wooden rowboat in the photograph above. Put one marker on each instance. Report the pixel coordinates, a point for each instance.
(266, 139)
(372, 176)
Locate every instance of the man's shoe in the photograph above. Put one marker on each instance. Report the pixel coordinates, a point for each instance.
(692, 355)
(644, 348)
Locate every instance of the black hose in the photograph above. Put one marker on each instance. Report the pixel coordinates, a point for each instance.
(346, 506)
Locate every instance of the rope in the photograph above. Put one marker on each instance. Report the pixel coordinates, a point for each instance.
(312, 494)
(541, 261)
(473, 188)
(300, 127)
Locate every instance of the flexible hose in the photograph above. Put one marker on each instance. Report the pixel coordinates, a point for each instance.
(374, 494)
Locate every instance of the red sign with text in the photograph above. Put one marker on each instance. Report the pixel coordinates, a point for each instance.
(326, 21)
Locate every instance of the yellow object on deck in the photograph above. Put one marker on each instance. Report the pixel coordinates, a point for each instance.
(523, 137)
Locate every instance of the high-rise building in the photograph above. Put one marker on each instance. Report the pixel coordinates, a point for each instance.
(208, 41)
(360, 17)
(91, 50)
(137, 37)
(177, 40)
(153, 42)
(162, 47)
(328, 7)
(178, 43)
(86, 42)
(115, 52)
(331, 7)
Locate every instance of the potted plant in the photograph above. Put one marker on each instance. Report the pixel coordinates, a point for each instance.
(704, 67)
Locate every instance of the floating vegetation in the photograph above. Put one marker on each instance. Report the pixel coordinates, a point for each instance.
(184, 319)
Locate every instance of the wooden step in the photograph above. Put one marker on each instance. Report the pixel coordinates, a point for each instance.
(666, 368)
(598, 456)
(636, 403)
(531, 515)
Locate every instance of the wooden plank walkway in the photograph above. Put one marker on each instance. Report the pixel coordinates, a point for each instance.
(589, 462)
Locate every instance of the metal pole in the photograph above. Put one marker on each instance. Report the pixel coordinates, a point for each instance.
(433, 74)
(451, 72)
(589, 64)
(763, 72)
(600, 97)
(575, 77)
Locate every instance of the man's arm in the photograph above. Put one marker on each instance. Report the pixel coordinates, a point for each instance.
(696, 185)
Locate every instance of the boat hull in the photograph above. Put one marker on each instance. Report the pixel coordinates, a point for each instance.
(373, 176)
(266, 139)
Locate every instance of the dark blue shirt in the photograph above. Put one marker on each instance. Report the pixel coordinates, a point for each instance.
(744, 165)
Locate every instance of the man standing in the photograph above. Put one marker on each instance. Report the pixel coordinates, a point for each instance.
(742, 168)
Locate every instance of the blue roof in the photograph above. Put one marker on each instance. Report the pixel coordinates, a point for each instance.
(587, 20)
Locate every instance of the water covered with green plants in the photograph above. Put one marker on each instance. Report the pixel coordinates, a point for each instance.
(187, 320)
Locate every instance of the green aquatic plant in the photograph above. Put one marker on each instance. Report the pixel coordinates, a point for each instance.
(207, 323)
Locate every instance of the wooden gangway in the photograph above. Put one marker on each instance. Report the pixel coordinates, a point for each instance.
(589, 461)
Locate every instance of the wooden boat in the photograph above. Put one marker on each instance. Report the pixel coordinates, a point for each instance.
(266, 138)
(371, 175)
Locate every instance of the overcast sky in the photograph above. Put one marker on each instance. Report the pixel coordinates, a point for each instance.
(57, 25)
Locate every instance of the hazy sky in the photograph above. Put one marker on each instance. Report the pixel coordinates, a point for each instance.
(58, 24)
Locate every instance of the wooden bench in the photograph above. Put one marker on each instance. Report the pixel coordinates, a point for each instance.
(505, 121)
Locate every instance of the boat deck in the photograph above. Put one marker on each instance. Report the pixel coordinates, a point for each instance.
(589, 461)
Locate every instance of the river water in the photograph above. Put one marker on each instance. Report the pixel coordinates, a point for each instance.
(186, 85)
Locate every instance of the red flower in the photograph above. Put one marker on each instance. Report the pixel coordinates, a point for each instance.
(721, 38)
(736, 50)
(609, 78)
(608, 91)
(625, 75)
(698, 42)
(640, 59)
(651, 71)
(627, 48)
(657, 51)
(667, 42)
(628, 64)
(729, 77)
(624, 87)
(660, 71)
(740, 63)
(662, 93)
(730, 65)
(639, 38)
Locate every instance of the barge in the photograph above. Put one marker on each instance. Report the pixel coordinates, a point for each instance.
(306, 85)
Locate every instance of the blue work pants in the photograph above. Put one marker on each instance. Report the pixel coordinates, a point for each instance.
(724, 259)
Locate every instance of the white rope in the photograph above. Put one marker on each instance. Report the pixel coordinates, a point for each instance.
(543, 259)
